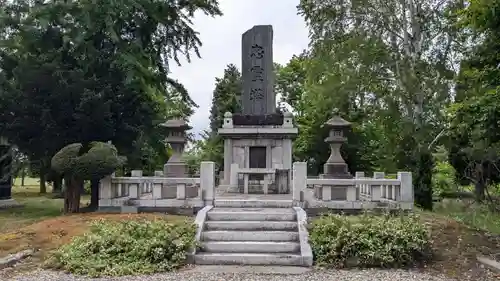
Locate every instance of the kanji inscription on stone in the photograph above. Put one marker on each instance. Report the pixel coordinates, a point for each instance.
(257, 52)
(256, 94)
(257, 71)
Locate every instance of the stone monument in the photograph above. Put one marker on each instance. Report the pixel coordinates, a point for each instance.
(257, 141)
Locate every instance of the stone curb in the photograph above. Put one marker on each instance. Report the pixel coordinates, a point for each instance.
(489, 263)
(305, 248)
(11, 260)
(200, 222)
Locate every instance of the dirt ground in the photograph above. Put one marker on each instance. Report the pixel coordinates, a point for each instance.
(47, 235)
(456, 247)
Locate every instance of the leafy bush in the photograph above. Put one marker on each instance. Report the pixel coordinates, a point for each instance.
(369, 240)
(443, 174)
(126, 248)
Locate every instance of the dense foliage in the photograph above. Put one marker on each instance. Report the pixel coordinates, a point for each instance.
(226, 98)
(77, 72)
(369, 241)
(474, 139)
(126, 248)
(81, 71)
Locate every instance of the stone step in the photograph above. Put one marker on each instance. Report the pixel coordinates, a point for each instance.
(250, 247)
(252, 214)
(248, 259)
(251, 225)
(253, 203)
(268, 236)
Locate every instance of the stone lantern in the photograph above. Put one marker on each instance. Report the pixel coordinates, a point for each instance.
(176, 129)
(335, 166)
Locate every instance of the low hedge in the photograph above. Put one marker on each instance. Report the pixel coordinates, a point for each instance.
(369, 241)
(126, 248)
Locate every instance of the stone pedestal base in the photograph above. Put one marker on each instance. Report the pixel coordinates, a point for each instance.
(336, 171)
(175, 170)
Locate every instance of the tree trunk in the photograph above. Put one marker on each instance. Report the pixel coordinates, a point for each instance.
(422, 181)
(23, 175)
(43, 175)
(72, 195)
(94, 194)
(57, 189)
(479, 185)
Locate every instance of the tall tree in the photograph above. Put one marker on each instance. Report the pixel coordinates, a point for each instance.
(401, 53)
(474, 138)
(226, 96)
(78, 71)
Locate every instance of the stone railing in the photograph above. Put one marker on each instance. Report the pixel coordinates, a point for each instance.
(158, 191)
(357, 193)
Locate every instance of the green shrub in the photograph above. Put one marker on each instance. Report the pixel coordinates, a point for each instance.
(126, 248)
(369, 240)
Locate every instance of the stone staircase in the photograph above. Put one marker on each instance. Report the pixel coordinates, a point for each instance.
(242, 232)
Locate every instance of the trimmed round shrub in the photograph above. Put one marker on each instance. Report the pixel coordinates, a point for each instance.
(369, 240)
(100, 160)
(126, 248)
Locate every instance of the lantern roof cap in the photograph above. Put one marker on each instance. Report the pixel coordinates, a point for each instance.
(336, 120)
(176, 124)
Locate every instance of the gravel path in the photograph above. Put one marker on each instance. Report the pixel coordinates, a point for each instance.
(358, 275)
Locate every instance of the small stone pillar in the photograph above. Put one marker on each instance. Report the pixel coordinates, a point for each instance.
(287, 120)
(228, 120)
(335, 166)
(176, 167)
(5, 170)
(6, 175)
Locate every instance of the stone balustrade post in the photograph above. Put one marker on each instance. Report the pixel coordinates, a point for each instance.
(406, 190)
(376, 190)
(207, 182)
(105, 192)
(135, 189)
(360, 189)
(299, 181)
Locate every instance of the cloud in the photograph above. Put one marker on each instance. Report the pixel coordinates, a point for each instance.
(221, 38)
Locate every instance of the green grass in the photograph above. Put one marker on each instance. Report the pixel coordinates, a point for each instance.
(473, 215)
(28, 182)
(35, 207)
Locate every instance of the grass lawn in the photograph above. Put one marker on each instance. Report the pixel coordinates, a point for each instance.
(35, 205)
(477, 216)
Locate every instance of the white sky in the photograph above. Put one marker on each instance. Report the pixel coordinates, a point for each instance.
(221, 38)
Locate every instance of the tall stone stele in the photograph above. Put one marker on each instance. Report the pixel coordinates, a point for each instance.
(176, 129)
(335, 166)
